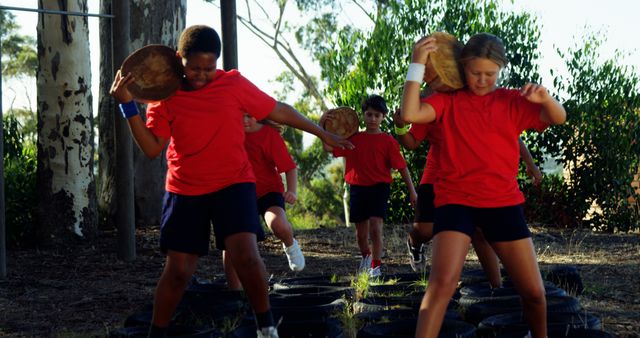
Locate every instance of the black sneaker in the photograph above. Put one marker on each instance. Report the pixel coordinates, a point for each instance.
(416, 255)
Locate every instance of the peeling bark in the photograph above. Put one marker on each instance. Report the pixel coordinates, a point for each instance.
(65, 180)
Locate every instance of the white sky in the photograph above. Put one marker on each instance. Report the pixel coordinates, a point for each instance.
(563, 23)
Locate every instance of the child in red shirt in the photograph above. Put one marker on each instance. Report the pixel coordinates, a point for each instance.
(269, 158)
(422, 230)
(368, 173)
(209, 177)
(476, 183)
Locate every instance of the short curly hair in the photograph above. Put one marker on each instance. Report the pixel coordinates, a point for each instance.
(199, 38)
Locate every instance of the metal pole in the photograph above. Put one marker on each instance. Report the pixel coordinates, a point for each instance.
(125, 216)
(3, 242)
(229, 34)
(53, 11)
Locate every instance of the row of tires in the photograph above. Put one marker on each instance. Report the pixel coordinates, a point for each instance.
(326, 306)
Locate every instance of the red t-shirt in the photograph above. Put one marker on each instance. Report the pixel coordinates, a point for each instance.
(206, 149)
(430, 131)
(269, 158)
(372, 159)
(478, 162)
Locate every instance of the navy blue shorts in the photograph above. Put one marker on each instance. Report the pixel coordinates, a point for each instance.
(271, 199)
(497, 224)
(186, 220)
(369, 201)
(425, 209)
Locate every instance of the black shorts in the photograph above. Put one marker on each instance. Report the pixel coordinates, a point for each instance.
(425, 209)
(186, 220)
(271, 199)
(369, 201)
(497, 224)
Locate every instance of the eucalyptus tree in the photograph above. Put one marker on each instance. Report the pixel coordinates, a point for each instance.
(65, 181)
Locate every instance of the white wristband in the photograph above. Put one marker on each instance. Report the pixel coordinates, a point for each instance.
(415, 72)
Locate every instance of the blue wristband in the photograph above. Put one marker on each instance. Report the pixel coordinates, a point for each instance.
(129, 109)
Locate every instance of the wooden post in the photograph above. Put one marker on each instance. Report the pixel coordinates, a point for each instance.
(229, 34)
(125, 215)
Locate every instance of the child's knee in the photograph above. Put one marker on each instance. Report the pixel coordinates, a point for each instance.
(281, 228)
(533, 294)
(246, 261)
(443, 285)
(178, 275)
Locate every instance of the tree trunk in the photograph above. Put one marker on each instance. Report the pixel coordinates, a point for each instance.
(65, 181)
(106, 141)
(163, 22)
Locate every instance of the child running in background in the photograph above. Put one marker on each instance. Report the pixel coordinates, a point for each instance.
(368, 173)
(477, 183)
(410, 136)
(269, 158)
(209, 177)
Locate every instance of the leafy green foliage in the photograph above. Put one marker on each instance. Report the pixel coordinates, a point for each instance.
(18, 51)
(20, 184)
(598, 144)
(357, 62)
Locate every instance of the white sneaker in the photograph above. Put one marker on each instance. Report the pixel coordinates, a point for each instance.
(365, 263)
(294, 256)
(375, 272)
(267, 332)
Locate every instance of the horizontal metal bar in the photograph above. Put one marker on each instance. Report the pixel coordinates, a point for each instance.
(51, 11)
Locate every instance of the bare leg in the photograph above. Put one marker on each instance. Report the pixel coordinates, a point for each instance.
(519, 258)
(488, 259)
(362, 236)
(448, 254)
(178, 269)
(420, 233)
(243, 251)
(375, 233)
(277, 221)
(233, 282)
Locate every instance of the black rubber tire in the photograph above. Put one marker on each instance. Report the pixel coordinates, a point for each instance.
(474, 276)
(305, 307)
(502, 293)
(566, 277)
(475, 313)
(374, 317)
(314, 290)
(556, 322)
(173, 331)
(407, 328)
(324, 280)
(329, 328)
(570, 333)
(473, 289)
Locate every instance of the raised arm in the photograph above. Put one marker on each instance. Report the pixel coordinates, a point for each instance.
(412, 110)
(148, 142)
(552, 111)
(286, 114)
(532, 169)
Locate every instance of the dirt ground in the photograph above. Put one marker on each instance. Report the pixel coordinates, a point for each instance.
(85, 291)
